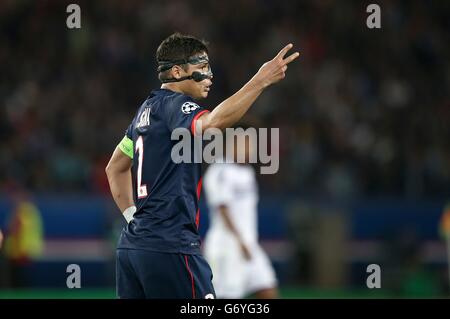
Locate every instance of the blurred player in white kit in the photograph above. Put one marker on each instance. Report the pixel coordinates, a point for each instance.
(240, 266)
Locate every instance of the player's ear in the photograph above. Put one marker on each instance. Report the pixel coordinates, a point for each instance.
(177, 71)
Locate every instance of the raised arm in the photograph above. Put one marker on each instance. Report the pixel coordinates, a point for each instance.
(232, 109)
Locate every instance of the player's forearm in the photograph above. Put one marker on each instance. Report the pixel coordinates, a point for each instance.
(233, 109)
(121, 189)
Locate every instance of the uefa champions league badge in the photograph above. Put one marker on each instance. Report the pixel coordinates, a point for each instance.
(188, 107)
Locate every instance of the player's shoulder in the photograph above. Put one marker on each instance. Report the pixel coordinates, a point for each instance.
(220, 171)
(176, 101)
(239, 172)
(247, 171)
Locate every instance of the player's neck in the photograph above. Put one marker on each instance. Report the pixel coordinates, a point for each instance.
(173, 87)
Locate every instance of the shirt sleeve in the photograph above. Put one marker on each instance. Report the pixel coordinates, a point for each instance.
(219, 186)
(128, 131)
(183, 113)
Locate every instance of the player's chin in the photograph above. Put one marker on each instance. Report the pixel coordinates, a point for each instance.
(204, 94)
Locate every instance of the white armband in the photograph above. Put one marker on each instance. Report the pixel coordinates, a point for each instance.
(128, 213)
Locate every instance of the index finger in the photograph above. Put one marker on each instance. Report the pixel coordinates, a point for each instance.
(283, 51)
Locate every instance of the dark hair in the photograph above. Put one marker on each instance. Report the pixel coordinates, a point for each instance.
(178, 47)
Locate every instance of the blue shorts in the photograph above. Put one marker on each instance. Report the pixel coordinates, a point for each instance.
(142, 274)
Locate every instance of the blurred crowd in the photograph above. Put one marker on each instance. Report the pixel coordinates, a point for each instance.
(362, 112)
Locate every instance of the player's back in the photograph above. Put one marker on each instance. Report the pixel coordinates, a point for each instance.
(166, 193)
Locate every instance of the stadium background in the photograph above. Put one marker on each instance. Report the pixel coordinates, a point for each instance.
(364, 136)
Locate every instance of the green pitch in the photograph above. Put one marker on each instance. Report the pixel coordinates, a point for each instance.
(289, 293)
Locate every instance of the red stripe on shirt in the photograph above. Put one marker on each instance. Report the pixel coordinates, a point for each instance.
(194, 120)
(199, 189)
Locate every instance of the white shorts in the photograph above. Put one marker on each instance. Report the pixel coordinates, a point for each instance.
(235, 277)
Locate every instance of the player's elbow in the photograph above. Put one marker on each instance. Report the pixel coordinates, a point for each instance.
(108, 170)
(212, 122)
(118, 164)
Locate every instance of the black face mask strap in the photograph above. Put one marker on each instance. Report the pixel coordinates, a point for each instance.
(196, 76)
(176, 80)
(166, 65)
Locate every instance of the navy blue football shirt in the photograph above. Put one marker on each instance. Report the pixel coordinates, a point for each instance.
(166, 193)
